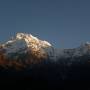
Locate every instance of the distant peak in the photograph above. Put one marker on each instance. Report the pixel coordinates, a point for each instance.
(22, 35)
(29, 38)
(22, 41)
(85, 44)
(25, 35)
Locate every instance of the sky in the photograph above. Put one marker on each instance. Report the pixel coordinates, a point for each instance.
(64, 23)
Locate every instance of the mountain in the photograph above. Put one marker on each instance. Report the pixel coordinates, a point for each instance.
(26, 57)
(24, 46)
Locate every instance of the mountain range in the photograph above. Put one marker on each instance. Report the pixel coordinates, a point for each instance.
(27, 56)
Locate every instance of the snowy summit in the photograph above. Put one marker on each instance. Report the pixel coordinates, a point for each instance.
(23, 43)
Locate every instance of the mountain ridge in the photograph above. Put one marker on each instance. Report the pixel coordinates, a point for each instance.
(25, 49)
(33, 63)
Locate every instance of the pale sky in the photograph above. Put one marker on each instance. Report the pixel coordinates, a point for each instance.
(64, 23)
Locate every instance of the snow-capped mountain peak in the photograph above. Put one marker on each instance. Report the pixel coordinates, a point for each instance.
(26, 42)
(24, 48)
(30, 39)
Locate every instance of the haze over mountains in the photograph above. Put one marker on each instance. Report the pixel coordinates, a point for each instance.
(27, 56)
